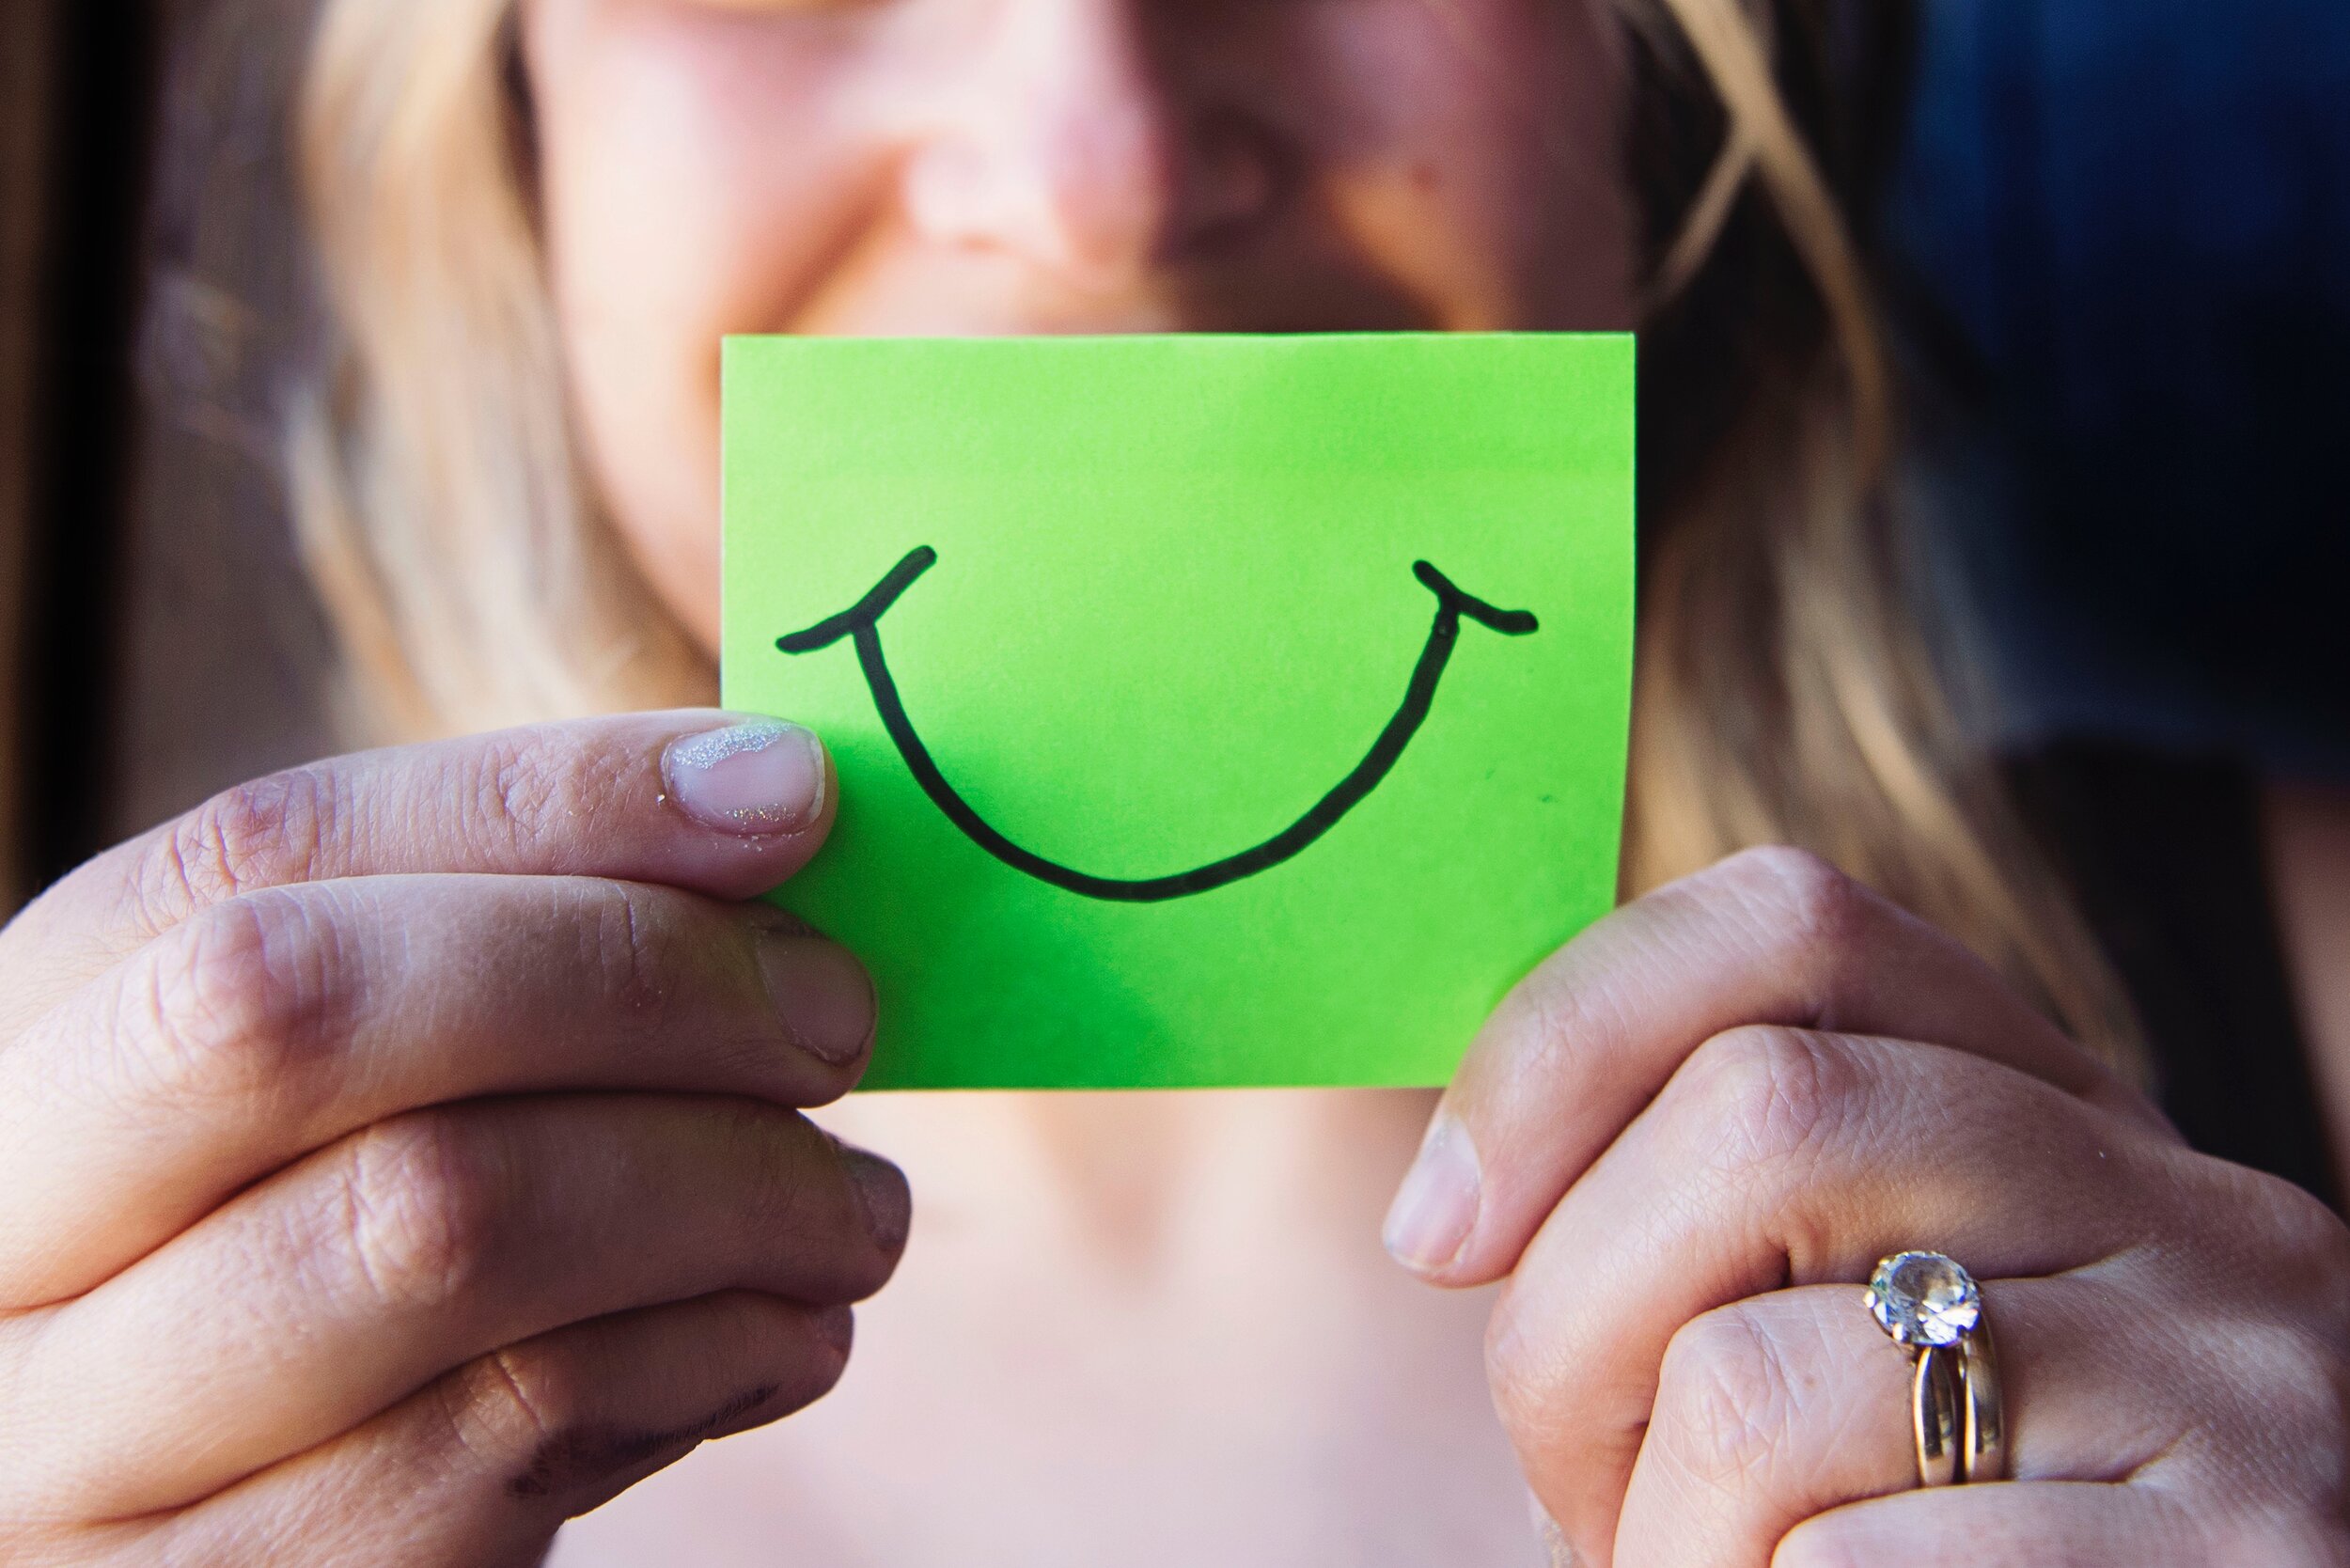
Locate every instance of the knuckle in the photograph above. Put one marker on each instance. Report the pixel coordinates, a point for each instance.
(264, 833)
(1554, 1028)
(510, 1408)
(2304, 1228)
(803, 1198)
(793, 1194)
(1803, 902)
(2274, 1236)
(1762, 1096)
(526, 783)
(419, 1212)
(630, 951)
(2297, 1384)
(1523, 1381)
(1540, 1370)
(1722, 1398)
(240, 1002)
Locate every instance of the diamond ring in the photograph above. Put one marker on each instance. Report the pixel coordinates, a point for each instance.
(1932, 1308)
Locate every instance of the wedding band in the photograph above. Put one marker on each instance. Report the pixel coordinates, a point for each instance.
(1932, 1308)
(1983, 1413)
(1933, 1419)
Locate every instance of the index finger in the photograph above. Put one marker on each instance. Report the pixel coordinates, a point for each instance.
(1770, 937)
(705, 801)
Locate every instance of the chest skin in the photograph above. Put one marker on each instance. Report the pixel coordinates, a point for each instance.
(1150, 1329)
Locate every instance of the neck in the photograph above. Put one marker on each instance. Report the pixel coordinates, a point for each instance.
(1153, 1183)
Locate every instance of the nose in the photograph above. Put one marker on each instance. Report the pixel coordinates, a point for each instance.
(1068, 142)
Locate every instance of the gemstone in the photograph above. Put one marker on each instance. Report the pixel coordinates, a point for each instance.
(1923, 1298)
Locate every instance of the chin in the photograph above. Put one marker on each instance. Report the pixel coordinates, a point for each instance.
(980, 300)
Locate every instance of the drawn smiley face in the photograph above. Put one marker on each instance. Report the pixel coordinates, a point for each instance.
(861, 624)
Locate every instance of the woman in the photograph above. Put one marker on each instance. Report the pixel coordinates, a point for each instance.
(404, 1152)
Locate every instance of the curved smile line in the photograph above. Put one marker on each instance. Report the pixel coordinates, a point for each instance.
(862, 623)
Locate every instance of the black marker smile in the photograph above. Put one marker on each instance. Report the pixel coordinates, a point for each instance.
(863, 624)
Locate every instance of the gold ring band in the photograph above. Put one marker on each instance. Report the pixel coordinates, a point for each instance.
(1933, 1419)
(1933, 1309)
(1984, 1412)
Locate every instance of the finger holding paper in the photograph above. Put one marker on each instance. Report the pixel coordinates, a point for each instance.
(423, 1125)
(1689, 1138)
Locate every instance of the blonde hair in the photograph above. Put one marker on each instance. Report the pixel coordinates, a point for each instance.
(1787, 692)
(437, 490)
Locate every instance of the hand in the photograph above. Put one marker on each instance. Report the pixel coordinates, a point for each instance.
(397, 1156)
(1689, 1137)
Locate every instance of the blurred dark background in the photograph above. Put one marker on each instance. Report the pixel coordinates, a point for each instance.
(2133, 216)
(157, 637)
(2123, 234)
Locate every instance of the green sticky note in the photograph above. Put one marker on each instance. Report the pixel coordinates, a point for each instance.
(1209, 711)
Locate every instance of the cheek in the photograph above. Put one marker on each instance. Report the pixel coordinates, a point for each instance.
(697, 175)
(1476, 145)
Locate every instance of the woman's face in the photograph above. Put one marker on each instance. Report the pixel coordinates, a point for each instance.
(1002, 166)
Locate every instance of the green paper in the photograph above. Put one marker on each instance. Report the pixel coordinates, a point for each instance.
(1153, 609)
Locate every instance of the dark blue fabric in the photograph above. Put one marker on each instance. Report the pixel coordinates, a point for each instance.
(2137, 215)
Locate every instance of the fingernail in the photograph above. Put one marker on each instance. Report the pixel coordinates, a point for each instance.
(837, 1325)
(750, 779)
(822, 992)
(1436, 1207)
(881, 1187)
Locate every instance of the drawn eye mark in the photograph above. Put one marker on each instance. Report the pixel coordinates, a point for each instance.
(861, 624)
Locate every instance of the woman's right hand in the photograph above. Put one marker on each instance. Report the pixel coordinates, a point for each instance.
(399, 1155)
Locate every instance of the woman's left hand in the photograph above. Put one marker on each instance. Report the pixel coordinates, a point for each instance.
(1689, 1137)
